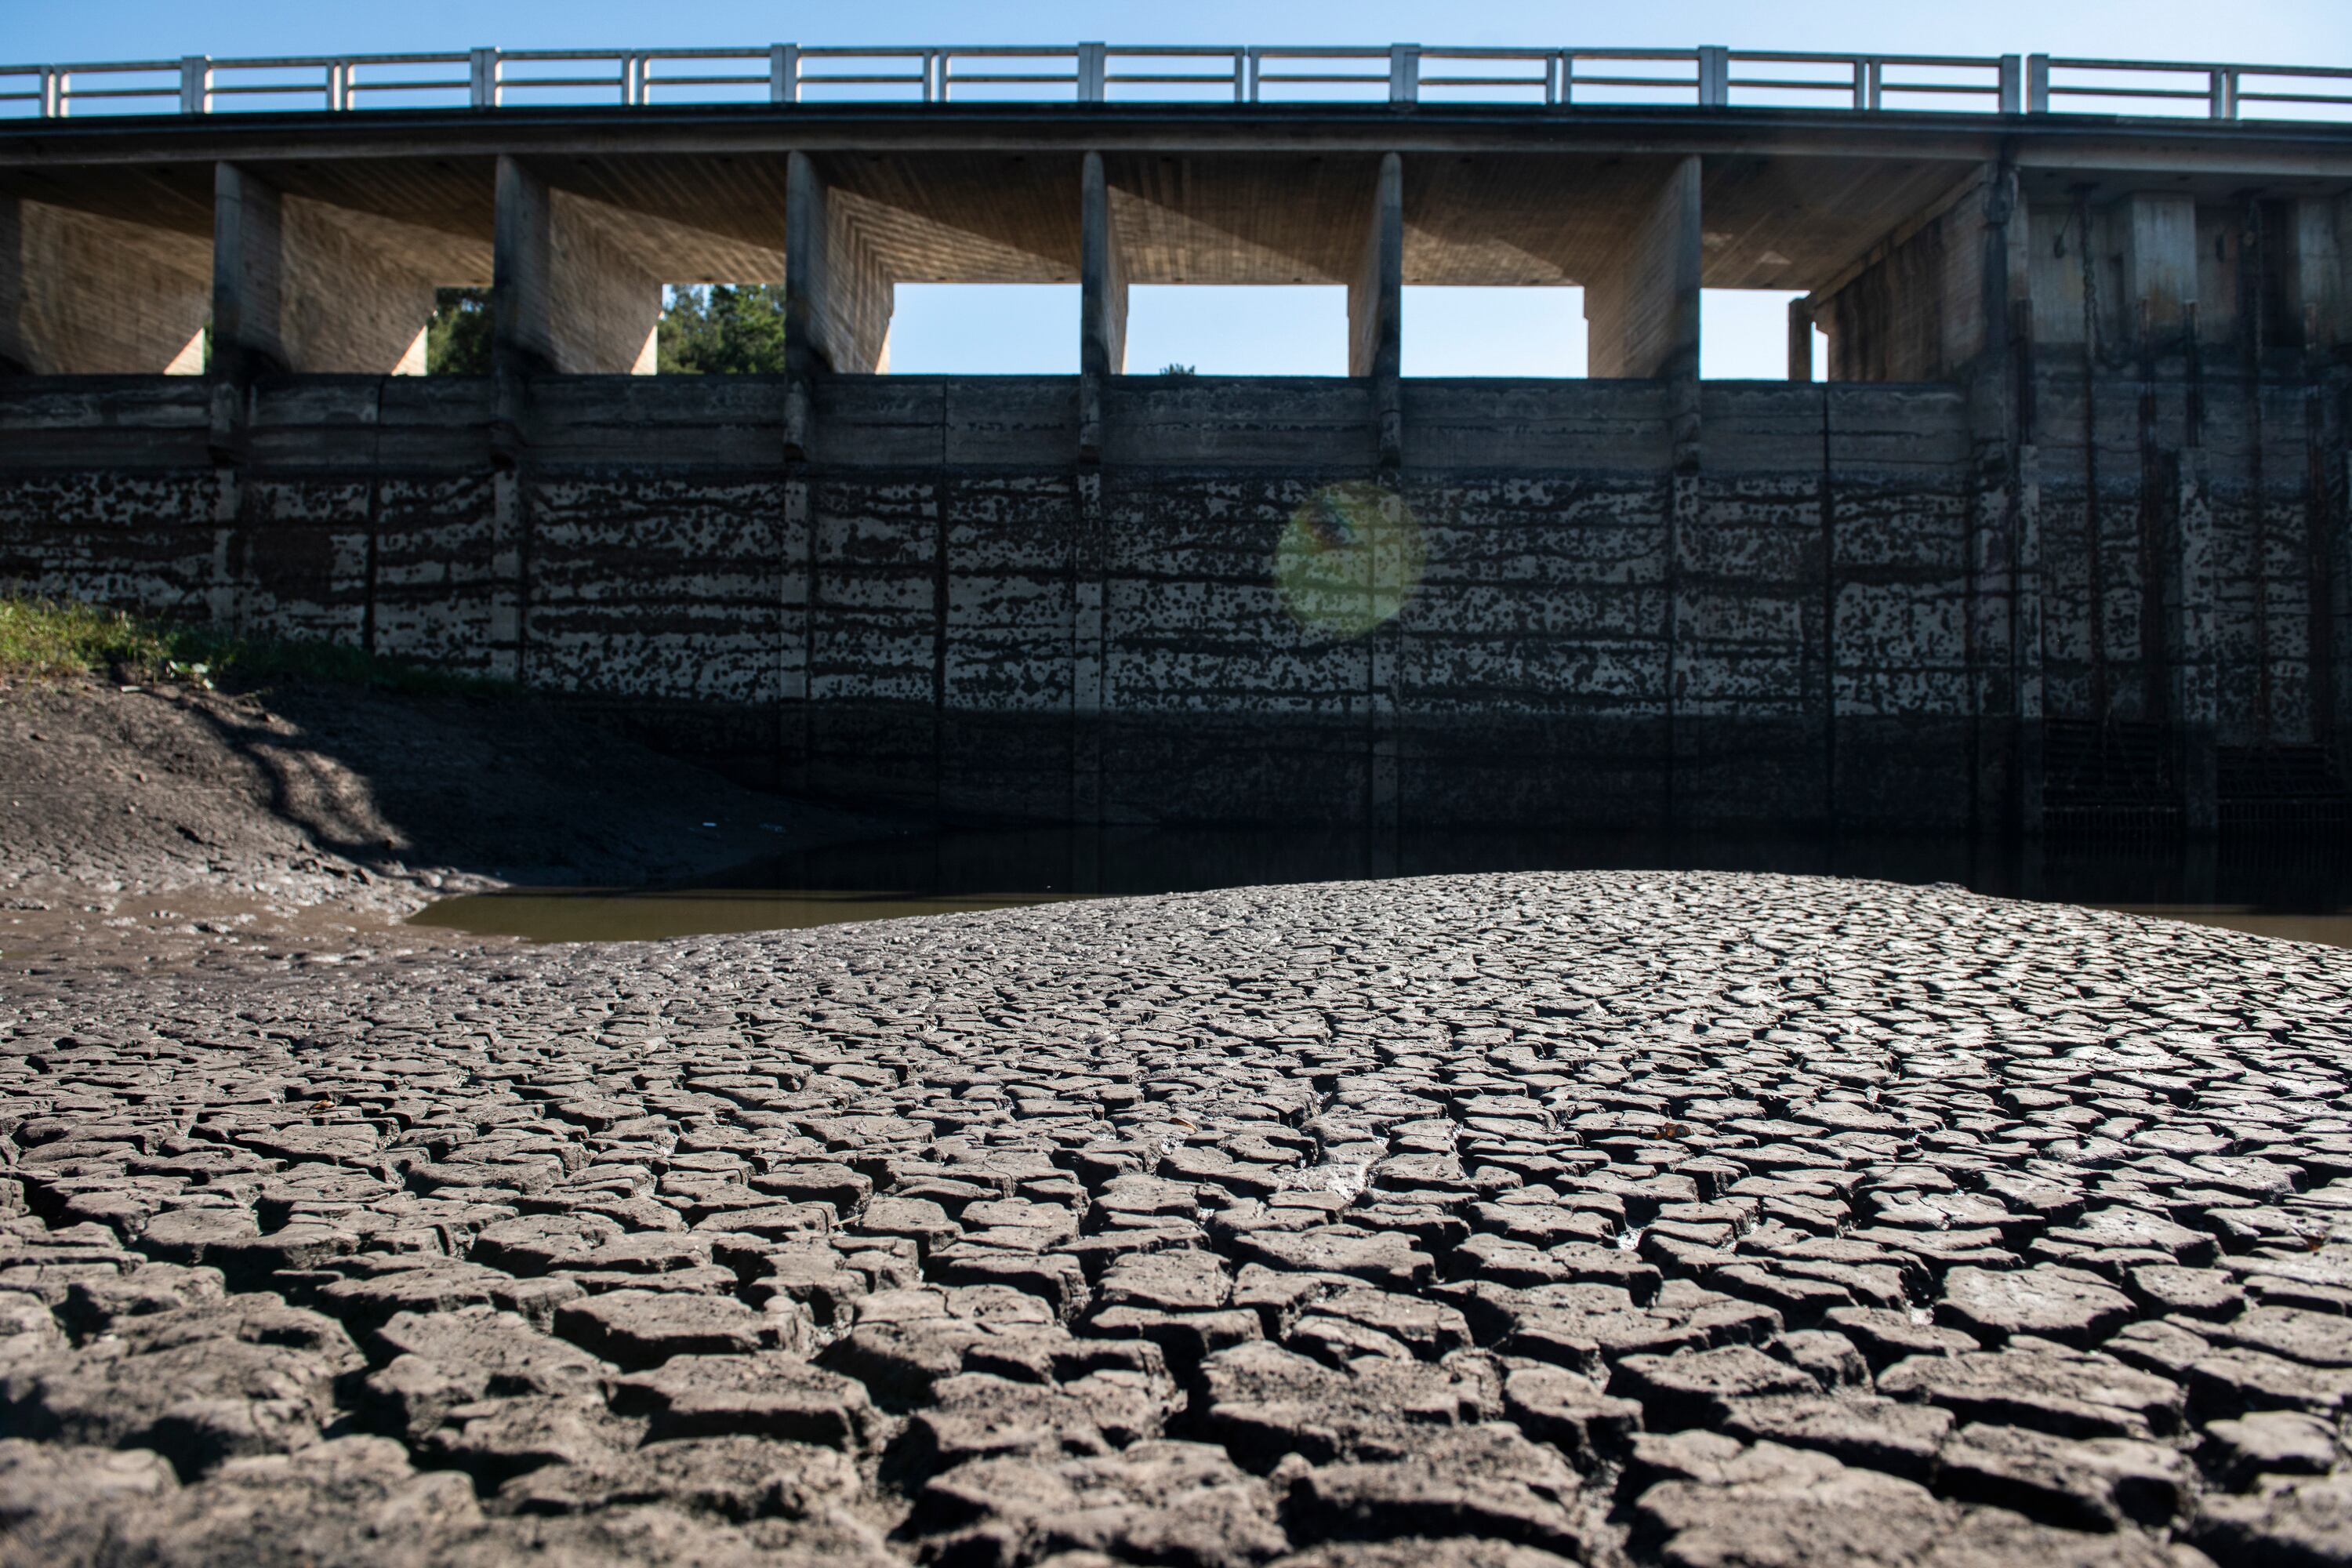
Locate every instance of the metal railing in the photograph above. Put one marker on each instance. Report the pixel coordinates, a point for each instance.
(1557, 79)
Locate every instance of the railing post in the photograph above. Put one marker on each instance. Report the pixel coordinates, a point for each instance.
(1241, 76)
(1714, 76)
(2223, 93)
(484, 77)
(2012, 84)
(784, 73)
(2037, 84)
(1093, 67)
(195, 84)
(53, 96)
(1878, 84)
(1861, 81)
(1404, 73)
(1255, 67)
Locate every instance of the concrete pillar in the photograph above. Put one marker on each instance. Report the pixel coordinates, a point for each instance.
(2318, 288)
(567, 294)
(1800, 340)
(1375, 307)
(1102, 312)
(2013, 250)
(837, 295)
(248, 241)
(1102, 353)
(81, 294)
(1641, 307)
(2196, 691)
(2155, 236)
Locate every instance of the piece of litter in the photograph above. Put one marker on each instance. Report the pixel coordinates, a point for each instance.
(710, 824)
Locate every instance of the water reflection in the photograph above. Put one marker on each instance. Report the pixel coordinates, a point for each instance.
(2299, 889)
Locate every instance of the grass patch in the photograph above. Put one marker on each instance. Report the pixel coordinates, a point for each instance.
(41, 638)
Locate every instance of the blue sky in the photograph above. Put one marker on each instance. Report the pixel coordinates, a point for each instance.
(1299, 330)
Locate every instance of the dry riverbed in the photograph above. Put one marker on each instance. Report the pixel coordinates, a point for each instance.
(1614, 1217)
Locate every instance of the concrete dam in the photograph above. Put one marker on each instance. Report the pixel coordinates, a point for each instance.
(2059, 544)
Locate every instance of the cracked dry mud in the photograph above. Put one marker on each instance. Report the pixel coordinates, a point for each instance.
(1613, 1217)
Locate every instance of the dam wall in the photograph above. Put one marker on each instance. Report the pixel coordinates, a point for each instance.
(1837, 614)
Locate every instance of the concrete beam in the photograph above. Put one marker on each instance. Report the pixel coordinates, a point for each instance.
(1375, 307)
(1642, 305)
(81, 294)
(837, 295)
(569, 294)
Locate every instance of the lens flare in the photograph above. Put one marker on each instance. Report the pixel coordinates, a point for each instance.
(1348, 559)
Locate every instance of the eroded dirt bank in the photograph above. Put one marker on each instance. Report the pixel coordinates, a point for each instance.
(148, 824)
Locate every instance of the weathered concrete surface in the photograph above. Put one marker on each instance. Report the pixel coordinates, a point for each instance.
(1611, 1218)
(1840, 610)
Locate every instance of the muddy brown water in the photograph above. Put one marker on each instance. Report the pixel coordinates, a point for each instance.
(2295, 888)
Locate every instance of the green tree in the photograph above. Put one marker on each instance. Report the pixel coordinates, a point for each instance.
(713, 328)
(723, 329)
(457, 339)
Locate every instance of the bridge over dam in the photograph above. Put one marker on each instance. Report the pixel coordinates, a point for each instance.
(2053, 537)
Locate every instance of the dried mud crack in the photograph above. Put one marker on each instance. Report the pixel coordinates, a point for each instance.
(1607, 1218)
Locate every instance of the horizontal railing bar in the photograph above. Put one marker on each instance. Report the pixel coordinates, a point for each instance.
(1783, 57)
(1973, 89)
(2059, 91)
(78, 66)
(2201, 67)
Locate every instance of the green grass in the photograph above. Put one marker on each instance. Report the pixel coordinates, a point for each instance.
(42, 638)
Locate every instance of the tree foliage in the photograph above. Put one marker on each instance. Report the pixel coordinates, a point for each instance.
(724, 329)
(457, 339)
(713, 328)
